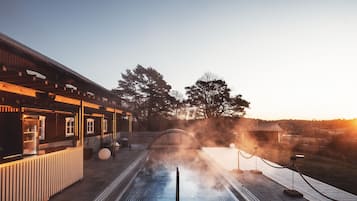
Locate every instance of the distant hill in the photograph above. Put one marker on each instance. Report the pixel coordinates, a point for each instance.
(312, 128)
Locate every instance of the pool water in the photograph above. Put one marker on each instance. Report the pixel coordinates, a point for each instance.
(157, 180)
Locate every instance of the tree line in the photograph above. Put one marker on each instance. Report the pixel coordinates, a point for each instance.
(145, 93)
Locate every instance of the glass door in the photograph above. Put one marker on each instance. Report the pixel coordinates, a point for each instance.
(30, 134)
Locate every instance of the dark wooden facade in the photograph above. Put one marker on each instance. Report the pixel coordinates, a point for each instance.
(44, 108)
(35, 85)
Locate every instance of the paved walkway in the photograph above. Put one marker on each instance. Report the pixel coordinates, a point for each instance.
(281, 176)
(98, 175)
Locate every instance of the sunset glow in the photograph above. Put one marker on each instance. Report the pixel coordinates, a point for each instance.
(290, 59)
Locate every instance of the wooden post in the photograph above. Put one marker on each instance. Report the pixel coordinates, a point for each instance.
(76, 129)
(130, 129)
(114, 135)
(81, 124)
(102, 131)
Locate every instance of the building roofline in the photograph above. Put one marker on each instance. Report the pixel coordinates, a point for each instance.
(6, 39)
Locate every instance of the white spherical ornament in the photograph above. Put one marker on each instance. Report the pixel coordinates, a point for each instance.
(104, 154)
(117, 146)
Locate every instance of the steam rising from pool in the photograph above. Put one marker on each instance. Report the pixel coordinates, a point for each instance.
(157, 180)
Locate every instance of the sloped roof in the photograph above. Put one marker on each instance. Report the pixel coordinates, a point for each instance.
(53, 69)
(46, 59)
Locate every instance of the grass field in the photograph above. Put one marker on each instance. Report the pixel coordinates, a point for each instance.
(332, 171)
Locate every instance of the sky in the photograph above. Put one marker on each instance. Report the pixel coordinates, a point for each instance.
(289, 59)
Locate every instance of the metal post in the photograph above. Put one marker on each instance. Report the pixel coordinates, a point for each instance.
(291, 192)
(238, 167)
(177, 184)
(256, 171)
(256, 158)
(292, 180)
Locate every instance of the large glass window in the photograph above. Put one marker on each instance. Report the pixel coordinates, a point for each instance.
(90, 126)
(69, 126)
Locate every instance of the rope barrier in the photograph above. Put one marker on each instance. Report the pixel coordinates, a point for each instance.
(246, 157)
(296, 168)
(315, 189)
(293, 166)
(251, 156)
(273, 166)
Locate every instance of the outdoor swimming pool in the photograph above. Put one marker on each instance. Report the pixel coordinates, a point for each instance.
(157, 180)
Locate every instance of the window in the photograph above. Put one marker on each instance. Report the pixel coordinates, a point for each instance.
(42, 127)
(90, 126)
(105, 125)
(69, 126)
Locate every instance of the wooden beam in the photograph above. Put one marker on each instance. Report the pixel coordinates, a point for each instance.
(91, 105)
(77, 102)
(112, 110)
(29, 109)
(12, 88)
(71, 101)
(95, 115)
(109, 109)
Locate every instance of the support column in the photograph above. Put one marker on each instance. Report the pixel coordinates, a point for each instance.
(102, 131)
(81, 124)
(114, 135)
(76, 129)
(130, 122)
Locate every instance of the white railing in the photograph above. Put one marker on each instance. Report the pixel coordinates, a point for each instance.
(40, 177)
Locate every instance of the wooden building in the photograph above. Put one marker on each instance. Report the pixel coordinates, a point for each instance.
(48, 115)
(265, 132)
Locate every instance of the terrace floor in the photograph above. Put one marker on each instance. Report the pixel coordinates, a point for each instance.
(99, 176)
